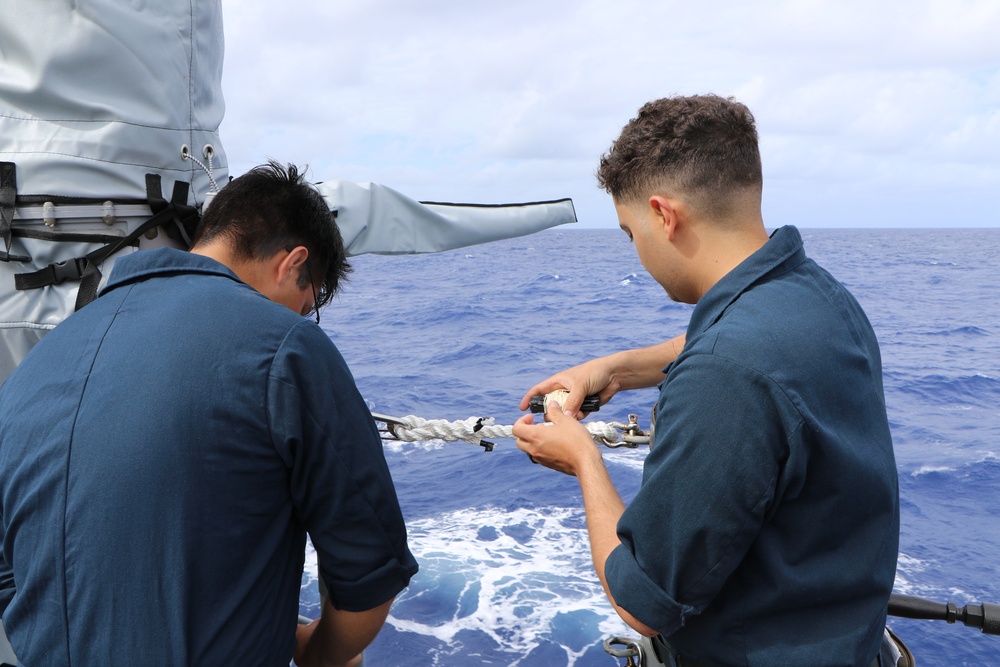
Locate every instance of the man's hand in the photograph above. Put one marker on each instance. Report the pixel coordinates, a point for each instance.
(606, 376)
(593, 377)
(564, 444)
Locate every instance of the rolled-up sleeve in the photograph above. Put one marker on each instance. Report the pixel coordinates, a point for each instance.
(653, 606)
(707, 486)
(341, 487)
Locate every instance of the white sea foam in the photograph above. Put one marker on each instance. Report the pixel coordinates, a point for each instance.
(518, 577)
(928, 469)
(910, 572)
(627, 458)
(908, 569)
(517, 571)
(627, 280)
(405, 448)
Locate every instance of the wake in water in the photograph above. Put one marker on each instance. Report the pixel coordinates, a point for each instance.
(518, 582)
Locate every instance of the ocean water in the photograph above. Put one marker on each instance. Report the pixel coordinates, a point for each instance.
(506, 576)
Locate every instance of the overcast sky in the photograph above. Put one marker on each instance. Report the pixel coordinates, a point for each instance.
(872, 113)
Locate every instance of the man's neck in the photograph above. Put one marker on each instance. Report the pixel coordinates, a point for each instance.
(721, 248)
(221, 252)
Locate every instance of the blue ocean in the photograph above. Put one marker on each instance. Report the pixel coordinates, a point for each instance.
(505, 572)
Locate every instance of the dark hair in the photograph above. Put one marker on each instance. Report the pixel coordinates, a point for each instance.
(704, 145)
(271, 208)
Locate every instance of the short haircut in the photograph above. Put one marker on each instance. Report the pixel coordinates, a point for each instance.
(271, 208)
(705, 146)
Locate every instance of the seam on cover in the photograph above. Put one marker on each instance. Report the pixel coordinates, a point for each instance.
(105, 121)
(95, 159)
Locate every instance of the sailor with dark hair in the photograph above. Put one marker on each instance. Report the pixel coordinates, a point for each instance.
(766, 528)
(165, 451)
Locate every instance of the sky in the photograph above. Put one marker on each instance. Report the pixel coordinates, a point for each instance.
(877, 113)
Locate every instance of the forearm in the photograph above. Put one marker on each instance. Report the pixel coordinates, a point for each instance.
(338, 637)
(604, 507)
(643, 367)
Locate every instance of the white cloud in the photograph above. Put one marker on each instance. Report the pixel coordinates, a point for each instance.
(517, 100)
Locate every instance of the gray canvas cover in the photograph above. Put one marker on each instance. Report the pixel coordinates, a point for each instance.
(95, 94)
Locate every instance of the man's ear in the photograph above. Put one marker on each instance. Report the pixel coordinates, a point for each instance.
(289, 264)
(664, 214)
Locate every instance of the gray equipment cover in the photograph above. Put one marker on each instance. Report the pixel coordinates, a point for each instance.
(95, 94)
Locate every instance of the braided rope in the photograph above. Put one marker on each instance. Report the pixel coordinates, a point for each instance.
(475, 429)
(186, 155)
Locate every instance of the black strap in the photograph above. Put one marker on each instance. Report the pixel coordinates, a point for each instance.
(154, 193)
(63, 200)
(185, 228)
(8, 198)
(7, 257)
(49, 235)
(53, 274)
(85, 269)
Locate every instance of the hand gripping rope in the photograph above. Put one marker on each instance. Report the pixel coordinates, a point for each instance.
(477, 429)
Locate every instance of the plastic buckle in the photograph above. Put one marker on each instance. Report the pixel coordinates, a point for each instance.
(71, 269)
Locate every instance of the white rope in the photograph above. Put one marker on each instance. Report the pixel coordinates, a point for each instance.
(412, 429)
(208, 152)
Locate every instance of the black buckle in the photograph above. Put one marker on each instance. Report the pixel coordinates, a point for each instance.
(71, 269)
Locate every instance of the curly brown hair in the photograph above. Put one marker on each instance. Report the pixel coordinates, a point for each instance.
(703, 146)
